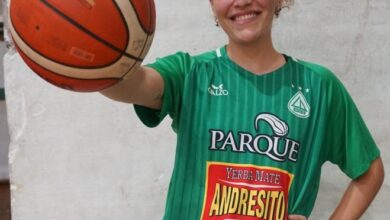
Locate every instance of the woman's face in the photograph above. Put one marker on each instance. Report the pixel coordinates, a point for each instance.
(245, 21)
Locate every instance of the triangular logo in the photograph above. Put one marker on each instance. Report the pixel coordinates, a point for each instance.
(299, 106)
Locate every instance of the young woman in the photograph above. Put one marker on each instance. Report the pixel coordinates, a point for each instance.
(254, 126)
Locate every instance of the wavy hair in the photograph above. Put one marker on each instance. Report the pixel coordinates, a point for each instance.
(283, 4)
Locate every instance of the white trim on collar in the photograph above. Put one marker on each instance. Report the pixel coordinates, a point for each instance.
(218, 51)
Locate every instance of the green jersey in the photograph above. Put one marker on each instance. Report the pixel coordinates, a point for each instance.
(252, 146)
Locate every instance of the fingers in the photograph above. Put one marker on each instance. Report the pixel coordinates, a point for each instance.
(296, 217)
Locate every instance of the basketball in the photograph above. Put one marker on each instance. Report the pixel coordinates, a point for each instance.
(82, 45)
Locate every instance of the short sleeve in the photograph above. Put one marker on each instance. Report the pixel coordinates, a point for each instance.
(173, 69)
(349, 143)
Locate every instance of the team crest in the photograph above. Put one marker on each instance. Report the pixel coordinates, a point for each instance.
(299, 106)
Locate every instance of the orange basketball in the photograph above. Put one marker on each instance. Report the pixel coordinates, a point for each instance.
(82, 45)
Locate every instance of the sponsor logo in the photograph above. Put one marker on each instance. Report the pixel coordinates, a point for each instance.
(299, 106)
(217, 90)
(276, 146)
(245, 192)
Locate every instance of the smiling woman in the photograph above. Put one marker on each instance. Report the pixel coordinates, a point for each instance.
(252, 134)
(248, 24)
(248, 107)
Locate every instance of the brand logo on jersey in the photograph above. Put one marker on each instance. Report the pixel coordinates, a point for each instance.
(217, 90)
(276, 146)
(299, 106)
(245, 192)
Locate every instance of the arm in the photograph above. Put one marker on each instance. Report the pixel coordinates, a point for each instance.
(360, 193)
(144, 87)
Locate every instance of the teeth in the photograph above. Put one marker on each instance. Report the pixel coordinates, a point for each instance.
(244, 17)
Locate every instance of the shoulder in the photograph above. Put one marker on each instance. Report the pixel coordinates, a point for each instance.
(317, 70)
(194, 58)
(206, 56)
(183, 61)
(203, 58)
(329, 82)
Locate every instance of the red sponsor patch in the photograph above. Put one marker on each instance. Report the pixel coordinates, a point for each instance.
(245, 192)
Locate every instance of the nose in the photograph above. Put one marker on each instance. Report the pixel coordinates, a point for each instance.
(240, 3)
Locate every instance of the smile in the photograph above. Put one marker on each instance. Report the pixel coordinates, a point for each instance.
(244, 17)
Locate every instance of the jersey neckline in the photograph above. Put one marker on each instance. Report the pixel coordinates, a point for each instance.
(221, 52)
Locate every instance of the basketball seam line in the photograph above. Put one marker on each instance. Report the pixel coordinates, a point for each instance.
(96, 37)
(129, 36)
(146, 40)
(54, 60)
(68, 86)
(140, 22)
(70, 77)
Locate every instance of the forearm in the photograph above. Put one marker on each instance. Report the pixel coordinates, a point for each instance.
(360, 193)
(144, 87)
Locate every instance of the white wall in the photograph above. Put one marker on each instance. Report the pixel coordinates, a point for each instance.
(4, 142)
(81, 156)
(4, 137)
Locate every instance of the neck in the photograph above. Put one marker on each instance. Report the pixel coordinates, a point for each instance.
(258, 58)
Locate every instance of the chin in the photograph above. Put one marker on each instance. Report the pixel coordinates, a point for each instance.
(247, 38)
